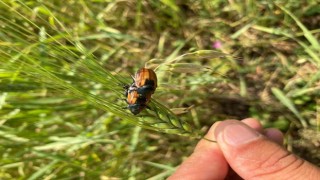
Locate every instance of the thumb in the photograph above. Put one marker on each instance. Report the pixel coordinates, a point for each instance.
(253, 156)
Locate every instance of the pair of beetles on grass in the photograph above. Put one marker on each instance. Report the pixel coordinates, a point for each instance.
(139, 92)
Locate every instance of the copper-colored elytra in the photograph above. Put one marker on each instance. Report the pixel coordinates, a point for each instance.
(132, 97)
(145, 76)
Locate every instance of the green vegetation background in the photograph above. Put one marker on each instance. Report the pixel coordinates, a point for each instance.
(63, 65)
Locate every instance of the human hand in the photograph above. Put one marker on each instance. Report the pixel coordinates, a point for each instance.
(251, 151)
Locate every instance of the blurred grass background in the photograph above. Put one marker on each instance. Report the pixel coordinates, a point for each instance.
(61, 118)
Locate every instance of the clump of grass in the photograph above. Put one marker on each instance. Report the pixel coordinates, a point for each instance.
(79, 71)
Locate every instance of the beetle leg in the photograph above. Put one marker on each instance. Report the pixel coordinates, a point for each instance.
(126, 86)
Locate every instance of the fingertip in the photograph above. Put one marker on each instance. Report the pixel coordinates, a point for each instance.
(206, 162)
(253, 123)
(274, 134)
(202, 164)
(252, 154)
(210, 134)
(219, 128)
(235, 133)
(209, 139)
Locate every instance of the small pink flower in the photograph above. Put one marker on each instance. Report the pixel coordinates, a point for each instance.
(217, 45)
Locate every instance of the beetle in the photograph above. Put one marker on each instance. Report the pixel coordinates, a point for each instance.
(136, 103)
(138, 94)
(145, 82)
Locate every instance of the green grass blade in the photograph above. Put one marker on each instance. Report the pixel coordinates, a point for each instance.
(160, 166)
(42, 170)
(13, 137)
(277, 31)
(313, 40)
(288, 103)
(241, 31)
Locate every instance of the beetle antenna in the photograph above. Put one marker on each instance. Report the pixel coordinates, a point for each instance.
(132, 77)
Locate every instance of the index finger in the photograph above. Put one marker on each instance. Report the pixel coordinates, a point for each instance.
(206, 162)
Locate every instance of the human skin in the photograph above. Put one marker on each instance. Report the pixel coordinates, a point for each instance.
(244, 150)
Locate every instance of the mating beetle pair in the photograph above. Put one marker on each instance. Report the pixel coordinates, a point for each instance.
(139, 92)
